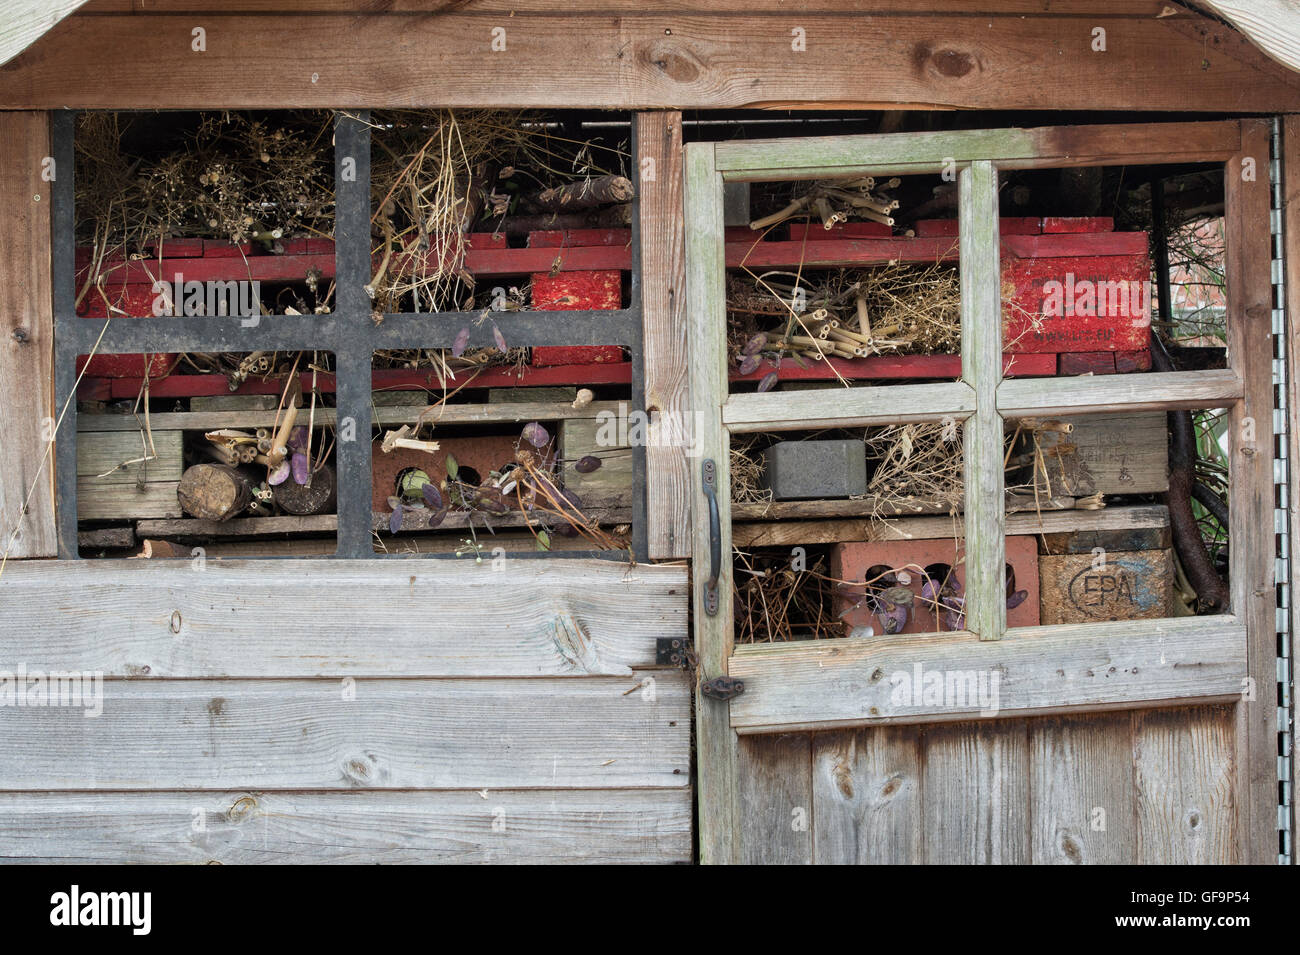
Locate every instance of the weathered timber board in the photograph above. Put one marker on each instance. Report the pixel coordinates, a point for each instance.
(707, 61)
(98, 500)
(774, 796)
(1184, 773)
(611, 483)
(100, 454)
(642, 826)
(975, 807)
(1124, 453)
(867, 796)
(327, 734)
(1088, 588)
(315, 618)
(824, 684)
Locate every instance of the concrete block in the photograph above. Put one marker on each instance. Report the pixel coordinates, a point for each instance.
(797, 470)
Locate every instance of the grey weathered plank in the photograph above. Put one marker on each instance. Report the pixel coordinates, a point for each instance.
(774, 794)
(666, 350)
(848, 407)
(982, 434)
(26, 337)
(642, 826)
(1185, 777)
(107, 500)
(329, 734)
(1251, 494)
(867, 797)
(975, 794)
(706, 310)
(1125, 453)
(824, 684)
(1082, 808)
(102, 454)
(1155, 391)
(281, 618)
(513, 412)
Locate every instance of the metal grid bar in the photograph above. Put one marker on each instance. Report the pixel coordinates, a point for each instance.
(349, 333)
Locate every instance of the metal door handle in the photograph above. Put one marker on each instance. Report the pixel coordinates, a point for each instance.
(710, 479)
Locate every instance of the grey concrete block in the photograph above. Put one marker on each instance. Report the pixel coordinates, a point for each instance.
(796, 470)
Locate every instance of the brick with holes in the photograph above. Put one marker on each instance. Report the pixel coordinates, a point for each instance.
(852, 560)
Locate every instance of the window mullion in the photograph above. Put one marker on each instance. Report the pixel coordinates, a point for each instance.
(981, 362)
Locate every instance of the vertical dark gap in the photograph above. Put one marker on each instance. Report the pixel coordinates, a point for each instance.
(66, 331)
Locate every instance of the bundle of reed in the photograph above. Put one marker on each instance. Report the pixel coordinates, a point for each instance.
(775, 601)
(832, 201)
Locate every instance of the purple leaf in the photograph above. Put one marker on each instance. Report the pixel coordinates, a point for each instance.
(279, 474)
(395, 521)
(436, 517)
(301, 472)
(749, 364)
(587, 463)
(768, 381)
(498, 337)
(298, 439)
(535, 434)
(1016, 599)
(394, 503)
(462, 342)
(929, 591)
(754, 345)
(893, 618)
(431, 496)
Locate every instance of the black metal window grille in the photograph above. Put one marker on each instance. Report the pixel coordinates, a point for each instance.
(348, 332)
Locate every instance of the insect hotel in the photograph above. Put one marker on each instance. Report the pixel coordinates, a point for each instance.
(764, 432)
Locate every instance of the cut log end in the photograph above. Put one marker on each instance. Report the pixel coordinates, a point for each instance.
(213, 492)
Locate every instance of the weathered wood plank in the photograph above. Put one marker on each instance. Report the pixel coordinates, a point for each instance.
(1046, 146)
(388, 734)
(642, 826)
(774, 793)
(26, 340)
(387, 415)
(1131, 8)
(707, 61)
(1291, 252)
(982, 434)
(1081, 790)
(1252, 562)
(322, 618)
(100, 456)
(1156, 391)
(867, 797)
(1124, 453)
(975, 794)
(99, 500)
(1185, 778)
(665, 350)
(847, 407)
(825, 684)
(716, 743)
(1105, 520)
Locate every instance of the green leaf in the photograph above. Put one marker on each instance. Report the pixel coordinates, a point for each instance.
(453, 468)
(543, 540)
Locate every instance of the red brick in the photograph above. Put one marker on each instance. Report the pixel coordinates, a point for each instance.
(547, 355)
(137, 301)
(851, 560)
(1127, 362)
(483, 454)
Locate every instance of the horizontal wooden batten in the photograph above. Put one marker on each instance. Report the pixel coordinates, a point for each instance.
(543, 733)
(630, 826)
(825, 684)
(1041, 147)
(644, 60)
(504, 412)
(1099, 394)
(331, 618)
(847, 407)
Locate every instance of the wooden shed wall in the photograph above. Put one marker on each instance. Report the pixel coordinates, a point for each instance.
(232, 741)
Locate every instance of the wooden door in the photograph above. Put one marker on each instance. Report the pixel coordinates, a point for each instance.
(1164, 731)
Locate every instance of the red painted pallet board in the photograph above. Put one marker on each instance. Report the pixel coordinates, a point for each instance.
(1012, 225)
(571, 238)
(1056, 224)
(798, 231)
(894, 367)
(398, 379)
(577, 290)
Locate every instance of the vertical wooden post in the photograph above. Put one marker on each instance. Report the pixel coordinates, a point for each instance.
(663, 315)
(981, 368)
(1291, 279)
(716, 743)
(27, 349)
(1250, 482)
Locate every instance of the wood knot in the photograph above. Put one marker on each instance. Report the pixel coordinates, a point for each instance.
(945, 62)
(677, 64)
(892, 785)
(241, 808)
(1071, 849)
(21, 335)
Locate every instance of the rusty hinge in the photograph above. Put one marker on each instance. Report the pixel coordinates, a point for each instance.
(674, 652)
(722, 688)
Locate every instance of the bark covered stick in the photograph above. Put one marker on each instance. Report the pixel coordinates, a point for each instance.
(588, 194)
